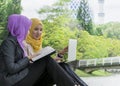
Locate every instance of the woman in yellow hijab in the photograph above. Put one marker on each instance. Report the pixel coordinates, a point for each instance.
(45, 65)
(33, 43)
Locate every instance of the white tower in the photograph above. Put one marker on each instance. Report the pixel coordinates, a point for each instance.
(101, 13)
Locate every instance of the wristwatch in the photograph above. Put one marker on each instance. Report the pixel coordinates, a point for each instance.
(59, 55)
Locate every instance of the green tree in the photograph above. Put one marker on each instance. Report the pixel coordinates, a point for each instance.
(3, 13)
(14, 6)
(84, 16)
(57, 9)
(112, 30)
(109, 30)
(7, 7)
(56, 34)
(58, 25)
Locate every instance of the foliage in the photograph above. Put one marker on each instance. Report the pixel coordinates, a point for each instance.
(7, 7)
(81, 73)
(59, 26)
(88, 46)
(57, 9)
(58, 29)
(57, 34)
(114, 49)
(91, 46)
(100, 73)
(84, 16)
(14, 6)
(2, 12)
(96, 46)
(110, 30)
(94, 73)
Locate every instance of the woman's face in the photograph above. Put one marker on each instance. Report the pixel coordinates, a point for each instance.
(37, 32)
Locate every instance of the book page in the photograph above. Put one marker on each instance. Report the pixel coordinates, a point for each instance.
(44, 52)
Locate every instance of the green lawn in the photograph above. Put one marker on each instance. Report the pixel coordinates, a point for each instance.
(94, 73)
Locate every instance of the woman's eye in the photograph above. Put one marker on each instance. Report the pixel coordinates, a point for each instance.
(36, 28)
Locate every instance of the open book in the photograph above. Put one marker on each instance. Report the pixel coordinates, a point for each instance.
(44, 52)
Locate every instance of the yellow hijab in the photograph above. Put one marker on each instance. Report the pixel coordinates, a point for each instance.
(36, 44)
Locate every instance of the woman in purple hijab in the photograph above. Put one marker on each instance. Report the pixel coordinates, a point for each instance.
(18, 26)
(13, 61)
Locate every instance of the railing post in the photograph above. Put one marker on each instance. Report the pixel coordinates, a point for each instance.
(111, 61)
(119, 60)
(103, 61)
(87, 63)
(95, 62)
(79, 64)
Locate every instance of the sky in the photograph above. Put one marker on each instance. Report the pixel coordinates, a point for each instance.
(31, 7)
(111, 8)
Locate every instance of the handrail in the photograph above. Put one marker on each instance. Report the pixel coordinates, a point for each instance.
(99, 61)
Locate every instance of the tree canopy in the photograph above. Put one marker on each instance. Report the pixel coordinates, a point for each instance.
(7, 7)
(84, 16)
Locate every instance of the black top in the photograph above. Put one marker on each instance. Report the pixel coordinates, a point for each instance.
(13, 64)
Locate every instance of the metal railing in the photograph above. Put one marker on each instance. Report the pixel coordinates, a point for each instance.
(99, 62)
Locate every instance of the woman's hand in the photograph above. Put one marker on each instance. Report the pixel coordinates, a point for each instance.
(30, 59)
(59, 56)
(57, 59)
(32, 56)
(62, 52)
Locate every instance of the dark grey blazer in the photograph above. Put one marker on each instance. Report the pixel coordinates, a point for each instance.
(13, 65)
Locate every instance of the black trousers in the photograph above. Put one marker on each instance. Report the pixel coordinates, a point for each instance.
(39, 69)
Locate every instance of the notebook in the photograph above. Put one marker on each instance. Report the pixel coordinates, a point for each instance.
(72, 49)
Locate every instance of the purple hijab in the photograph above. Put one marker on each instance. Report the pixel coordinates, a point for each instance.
(18, 26)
